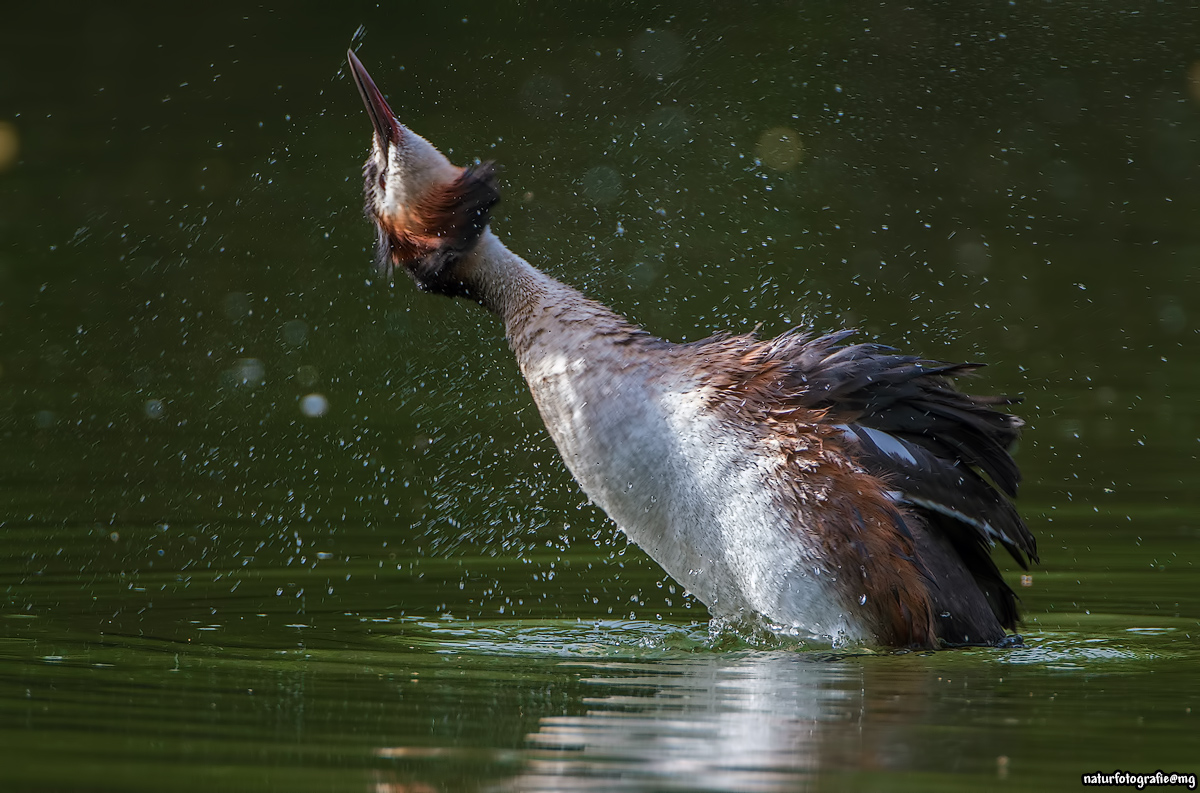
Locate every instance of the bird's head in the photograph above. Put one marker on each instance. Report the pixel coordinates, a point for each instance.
(428, 212)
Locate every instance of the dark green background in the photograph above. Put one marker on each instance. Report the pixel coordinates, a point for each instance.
(201, 587)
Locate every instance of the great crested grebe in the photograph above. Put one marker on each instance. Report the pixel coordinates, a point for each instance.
(838, 491)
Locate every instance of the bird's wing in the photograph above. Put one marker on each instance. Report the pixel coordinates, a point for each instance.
(938, 446)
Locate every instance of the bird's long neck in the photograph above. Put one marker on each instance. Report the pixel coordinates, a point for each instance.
(532, 305)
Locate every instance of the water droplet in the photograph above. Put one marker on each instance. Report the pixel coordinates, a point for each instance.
(314, 405)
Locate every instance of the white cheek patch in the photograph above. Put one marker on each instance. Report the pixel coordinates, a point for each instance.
(415, 168)
(396, 186)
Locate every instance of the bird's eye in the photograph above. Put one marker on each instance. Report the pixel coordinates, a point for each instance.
(382, 181)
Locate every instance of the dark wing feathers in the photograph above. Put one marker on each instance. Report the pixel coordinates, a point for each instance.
(954, 491)
(917, 430)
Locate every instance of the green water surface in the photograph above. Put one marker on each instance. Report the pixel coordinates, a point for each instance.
(206, 586)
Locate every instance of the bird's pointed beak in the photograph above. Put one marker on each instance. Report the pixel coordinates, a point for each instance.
(387, 128)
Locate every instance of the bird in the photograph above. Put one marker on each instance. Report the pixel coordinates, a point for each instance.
(833, 491)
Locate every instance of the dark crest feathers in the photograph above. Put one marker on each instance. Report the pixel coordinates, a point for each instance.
(439, 230)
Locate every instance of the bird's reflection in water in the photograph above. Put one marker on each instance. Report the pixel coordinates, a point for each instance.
(753, 722)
